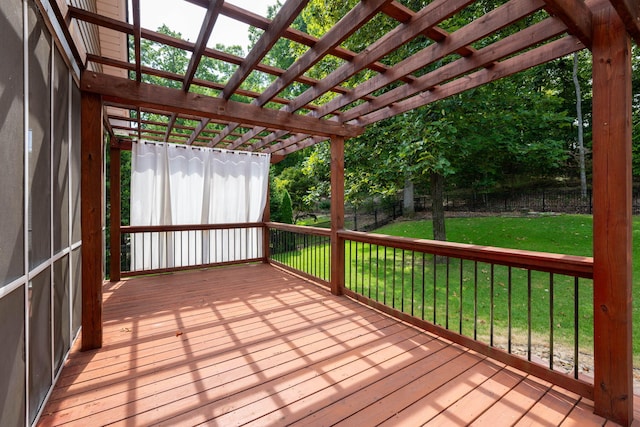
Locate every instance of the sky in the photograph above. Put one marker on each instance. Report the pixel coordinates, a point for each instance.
(186, 18)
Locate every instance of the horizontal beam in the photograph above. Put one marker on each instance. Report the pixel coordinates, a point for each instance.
(576, 15)
(125, 91)
(629, 12)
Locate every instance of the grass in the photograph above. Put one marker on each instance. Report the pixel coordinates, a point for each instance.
(396, 278)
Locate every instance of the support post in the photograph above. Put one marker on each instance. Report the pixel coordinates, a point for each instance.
(337, 214)
(612, 221)
(91, 211)
(266, 217)
(115, 213)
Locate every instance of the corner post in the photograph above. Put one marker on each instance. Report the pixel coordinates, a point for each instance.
(337, 214)
(92, 154)
(613, 394)
(115, 213)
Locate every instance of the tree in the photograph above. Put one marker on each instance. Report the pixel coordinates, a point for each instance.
(580, 123)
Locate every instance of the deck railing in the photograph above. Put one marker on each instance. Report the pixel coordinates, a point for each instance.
(156, 249)
(530, 310)
(306, 250)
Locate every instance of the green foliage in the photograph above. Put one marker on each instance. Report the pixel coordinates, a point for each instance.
(286, 210)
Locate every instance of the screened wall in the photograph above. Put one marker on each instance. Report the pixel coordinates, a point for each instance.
(40, 248)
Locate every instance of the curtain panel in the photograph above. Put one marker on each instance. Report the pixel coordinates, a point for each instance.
(184, 185)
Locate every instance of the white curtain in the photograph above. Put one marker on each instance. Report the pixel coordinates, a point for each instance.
(184, 185)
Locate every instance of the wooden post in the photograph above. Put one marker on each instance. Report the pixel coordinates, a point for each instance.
(613, 394)
(266, 217)
(337, 214)
(91, 211)
(115, 213)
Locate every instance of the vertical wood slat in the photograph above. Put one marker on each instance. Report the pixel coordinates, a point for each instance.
(613, 394)
(91, 211)
(115, 214)
(337, 214)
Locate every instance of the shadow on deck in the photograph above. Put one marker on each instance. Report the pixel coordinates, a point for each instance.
(256, 345)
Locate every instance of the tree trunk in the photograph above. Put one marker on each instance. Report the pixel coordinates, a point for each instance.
(408, 206)
(583, 174)
(437, 208)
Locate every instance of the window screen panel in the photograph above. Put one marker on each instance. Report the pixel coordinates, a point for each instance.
(39, 143)
(75, 163)
(61, 314)
(60, 154)
(39, 340)
(76, 265)
(12, 141)
(12, 368)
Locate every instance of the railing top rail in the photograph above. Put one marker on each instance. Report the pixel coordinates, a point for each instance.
(553, 263)
(316, 231)
(187, 227)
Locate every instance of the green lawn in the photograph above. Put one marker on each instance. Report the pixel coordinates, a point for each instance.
(416, 284)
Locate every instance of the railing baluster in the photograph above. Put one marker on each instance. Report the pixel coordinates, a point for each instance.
(447, 297)
(576, 326)
(491, 305)
(475, 300)
(460, 296)
(509, 311)
(393, 281)
(402, 282)
(551, 320)
(529, 315)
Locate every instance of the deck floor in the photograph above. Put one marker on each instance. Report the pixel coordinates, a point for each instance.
(253, 345)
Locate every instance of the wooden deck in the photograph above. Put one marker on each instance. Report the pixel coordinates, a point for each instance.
(255, 345)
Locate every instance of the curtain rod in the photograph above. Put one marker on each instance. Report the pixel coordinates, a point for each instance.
(195, 147)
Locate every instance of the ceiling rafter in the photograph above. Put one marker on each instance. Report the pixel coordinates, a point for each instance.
(576, 15)
(354, 19)
(127, 28)
(288, 12)
(498, 18)
(529, 59)
(428, 17)
(210, 18)
(531, 36)
(118, 89)
(457, 60)
(629, 11)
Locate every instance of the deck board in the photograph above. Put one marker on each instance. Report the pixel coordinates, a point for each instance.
(254, 345)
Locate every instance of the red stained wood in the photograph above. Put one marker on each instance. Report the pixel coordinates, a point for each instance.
(337, 214)
(612, 217)
(91, 218)
(254, 344)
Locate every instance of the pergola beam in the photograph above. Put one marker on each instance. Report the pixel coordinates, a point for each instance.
(354, 19)
(629, 12)
(288, 12)
(530, 59)
(577, 17)
(489, 55)
(118, 89)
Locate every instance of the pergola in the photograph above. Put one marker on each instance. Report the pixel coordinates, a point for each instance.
(114, 99)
